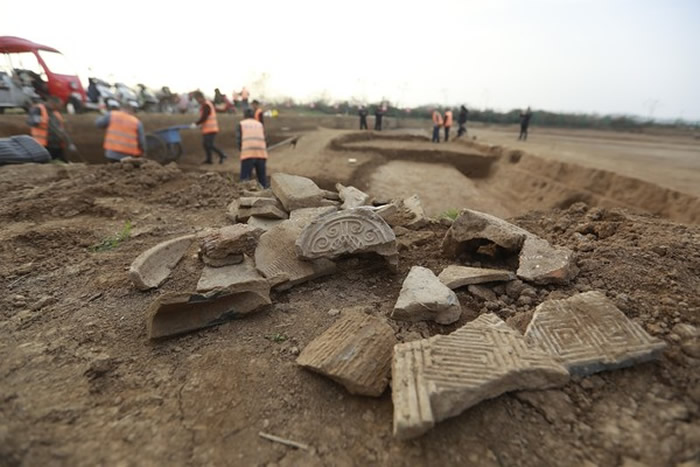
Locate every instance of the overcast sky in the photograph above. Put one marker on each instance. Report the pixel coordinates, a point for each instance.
(605, 56)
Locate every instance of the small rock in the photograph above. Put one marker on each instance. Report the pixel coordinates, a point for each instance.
(44, 301)
(296, 192)
(692, 347)
(333, 312)
(482, 292)
(458, 276)
(524, 300)
(542, 263)
(474, 227)
(686, 331)
(351, 196)
(514, 288)
(424, 297)
(294, 350)
(18, 301)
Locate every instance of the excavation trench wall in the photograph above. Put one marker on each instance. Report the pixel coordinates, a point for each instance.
(522, 181)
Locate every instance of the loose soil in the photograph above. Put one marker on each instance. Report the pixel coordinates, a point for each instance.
(80, 384)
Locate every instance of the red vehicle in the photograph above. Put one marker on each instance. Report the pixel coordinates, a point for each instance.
(46, 68)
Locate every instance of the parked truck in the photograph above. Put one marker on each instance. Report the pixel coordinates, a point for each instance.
(40, 67)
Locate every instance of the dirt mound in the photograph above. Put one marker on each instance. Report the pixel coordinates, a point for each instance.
(81, 385)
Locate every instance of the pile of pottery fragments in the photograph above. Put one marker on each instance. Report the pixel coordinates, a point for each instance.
(294, 232)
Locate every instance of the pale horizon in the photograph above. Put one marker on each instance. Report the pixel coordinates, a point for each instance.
(580, 56)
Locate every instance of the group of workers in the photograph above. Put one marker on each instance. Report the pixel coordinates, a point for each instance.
(125, 136)
(378, 115)
(445, 121)
(439, 121)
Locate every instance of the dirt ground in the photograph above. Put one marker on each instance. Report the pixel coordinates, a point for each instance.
(80, 384)
(668, 160)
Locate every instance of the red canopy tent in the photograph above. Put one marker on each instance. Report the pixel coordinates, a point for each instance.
(12, 44)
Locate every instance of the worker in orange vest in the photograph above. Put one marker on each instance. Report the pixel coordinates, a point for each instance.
(124, 136)
(48, 128)
(437, 123)
(209, 126)
(258, 112)
(447, 124)
(250, 136)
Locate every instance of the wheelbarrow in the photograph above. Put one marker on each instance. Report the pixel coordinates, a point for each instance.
(165, 145)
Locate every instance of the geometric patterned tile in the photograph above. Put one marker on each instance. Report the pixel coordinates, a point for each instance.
(587, 333)
(437, 378)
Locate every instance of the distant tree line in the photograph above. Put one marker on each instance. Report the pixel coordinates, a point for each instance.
(540, 117)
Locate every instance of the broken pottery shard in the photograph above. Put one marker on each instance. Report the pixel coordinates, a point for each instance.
(305, 216)
(351, 196)
(459, 276)
(235, 239)
(227, 277)
(221, 262)
(154, 265)
(276, 258)
(482, 292)
(387, 211)
(588, 334)
(268, 212)
(296, 192)
(232, 210)
(437, 378)
(257, 202)
(263, 223)
(355, 352)
(173, 313)
(331, 195)
(543, 263)
(350, 231)
(417, 217)
(259, 193)
(472, 229)
(424, 297)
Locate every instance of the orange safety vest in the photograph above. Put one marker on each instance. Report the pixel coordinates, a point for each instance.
(122, 133)
(252, 140)
(211, 124)
(448, 118)
(437, 118)
(258, 115)
(41, 132)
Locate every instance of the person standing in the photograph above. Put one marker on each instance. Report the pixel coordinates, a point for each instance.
(378, 115)
(244, 95)
(125, 136)
(48, 128)
(209, 125)
(437, 123)
(258, 112)
(362, 112)
(250, 137)
(462, 120)
(524, 123)
(447, 123)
